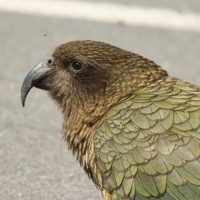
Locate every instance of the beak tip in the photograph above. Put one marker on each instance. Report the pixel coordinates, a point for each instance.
(23, 103)
(23, 98)
(26, 87)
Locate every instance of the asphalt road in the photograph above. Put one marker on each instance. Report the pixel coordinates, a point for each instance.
(34, 161)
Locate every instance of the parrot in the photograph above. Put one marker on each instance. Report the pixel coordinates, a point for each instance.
(134, 129)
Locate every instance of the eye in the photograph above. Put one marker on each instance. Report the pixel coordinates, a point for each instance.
(77, 67)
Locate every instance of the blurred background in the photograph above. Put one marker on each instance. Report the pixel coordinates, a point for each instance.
(34, 160)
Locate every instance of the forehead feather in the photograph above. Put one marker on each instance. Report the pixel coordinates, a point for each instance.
(89, 49)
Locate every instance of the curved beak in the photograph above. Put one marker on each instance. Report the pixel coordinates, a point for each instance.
(35, 78)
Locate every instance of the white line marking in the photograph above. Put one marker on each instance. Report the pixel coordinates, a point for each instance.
(107, 12)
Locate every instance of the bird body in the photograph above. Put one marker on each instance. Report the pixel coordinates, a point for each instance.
(161, 155)
(134, 129)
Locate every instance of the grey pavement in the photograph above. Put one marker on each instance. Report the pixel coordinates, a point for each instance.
(35, 163)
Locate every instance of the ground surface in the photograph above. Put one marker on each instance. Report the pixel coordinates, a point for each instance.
(34, 161)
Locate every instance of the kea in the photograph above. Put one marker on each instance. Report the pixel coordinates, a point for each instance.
(134, 129)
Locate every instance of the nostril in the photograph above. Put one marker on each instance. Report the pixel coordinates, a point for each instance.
(49, 61)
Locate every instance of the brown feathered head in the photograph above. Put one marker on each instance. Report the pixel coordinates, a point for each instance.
(86, 78)
(85, 72)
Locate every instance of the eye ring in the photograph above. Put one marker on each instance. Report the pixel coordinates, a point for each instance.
(77, 67)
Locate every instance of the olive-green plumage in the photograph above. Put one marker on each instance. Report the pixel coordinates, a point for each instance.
(149, 145)
(134, 129)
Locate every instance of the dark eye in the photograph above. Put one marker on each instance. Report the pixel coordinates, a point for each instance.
(77, 67)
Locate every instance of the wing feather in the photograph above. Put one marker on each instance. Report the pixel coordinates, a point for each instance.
(148, 146)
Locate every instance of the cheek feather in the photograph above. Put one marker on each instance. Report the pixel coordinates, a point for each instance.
(61, 87)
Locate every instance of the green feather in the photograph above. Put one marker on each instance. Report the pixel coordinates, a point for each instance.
(148, 146)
